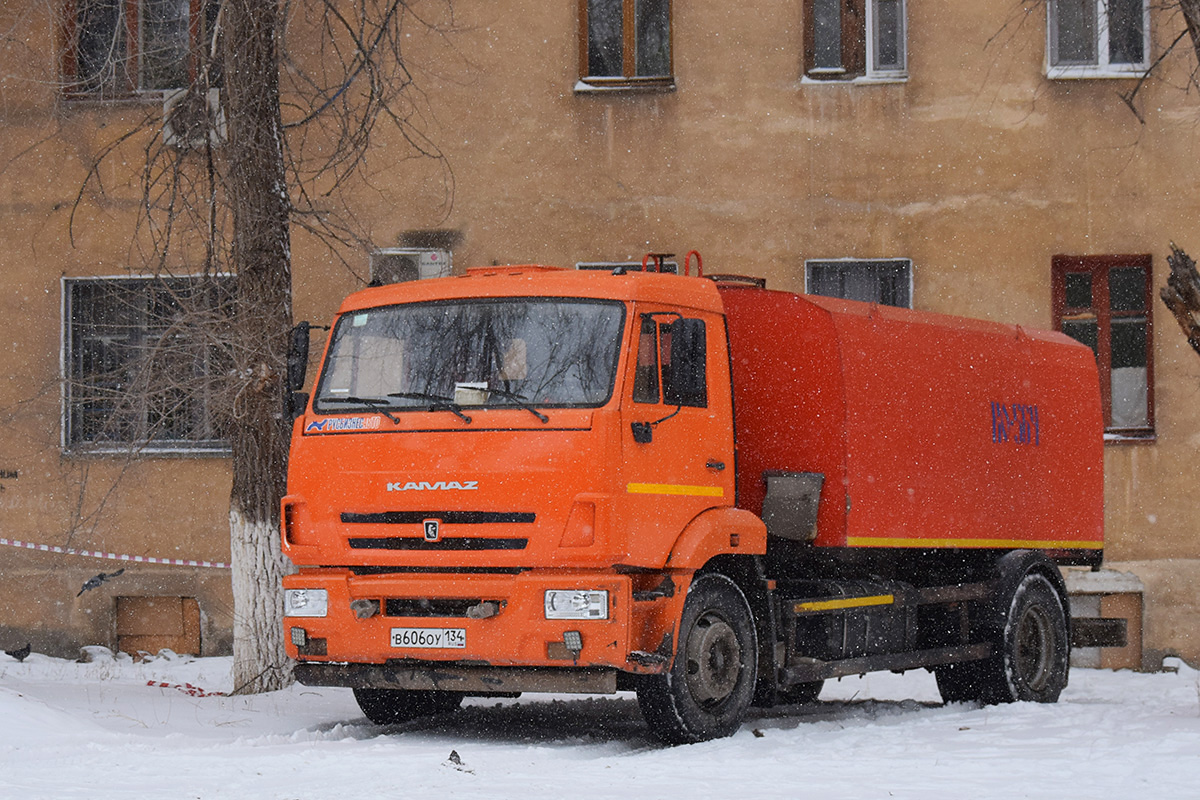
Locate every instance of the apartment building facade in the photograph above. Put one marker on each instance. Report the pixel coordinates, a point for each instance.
(1009, 161)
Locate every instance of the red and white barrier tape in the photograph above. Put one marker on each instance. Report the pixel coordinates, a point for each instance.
(186, 688)
(71, 551)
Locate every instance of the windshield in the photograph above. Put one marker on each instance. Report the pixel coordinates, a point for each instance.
(445, 355)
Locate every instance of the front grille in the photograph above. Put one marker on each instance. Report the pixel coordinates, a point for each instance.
(439, 570)
(446, 517)
(414, 543)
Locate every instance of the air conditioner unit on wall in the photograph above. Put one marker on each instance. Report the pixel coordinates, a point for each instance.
(398, 264)
(191, 119)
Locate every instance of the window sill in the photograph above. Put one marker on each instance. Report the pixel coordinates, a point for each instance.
(857, 80)
(151, 97)
(1130, 437)
(660, 85)
(1079, 73)
(136, 451)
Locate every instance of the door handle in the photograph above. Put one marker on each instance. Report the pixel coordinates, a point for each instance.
(714, 464)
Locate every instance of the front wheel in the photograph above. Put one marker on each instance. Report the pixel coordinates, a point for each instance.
(389, 706)
(708, 688)
(1034, 659)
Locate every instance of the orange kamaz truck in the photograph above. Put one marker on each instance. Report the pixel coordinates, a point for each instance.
(529, 479)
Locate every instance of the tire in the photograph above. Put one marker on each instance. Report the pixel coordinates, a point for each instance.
(389, 706)
(958, 683)
(1033, 662)
(707, 690)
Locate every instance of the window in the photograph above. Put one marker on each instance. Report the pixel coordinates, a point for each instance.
(625, 44)
(884, 281)
(1097, 38)
(671, 355)
(138, 373)
(495, 353)
(113, 48)
(1104, 302)
(846, 39)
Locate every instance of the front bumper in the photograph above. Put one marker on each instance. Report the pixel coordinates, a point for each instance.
(455, 678)
(517, 634)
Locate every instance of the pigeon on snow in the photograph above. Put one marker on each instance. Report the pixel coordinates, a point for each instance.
(21, 652)
(456, 762)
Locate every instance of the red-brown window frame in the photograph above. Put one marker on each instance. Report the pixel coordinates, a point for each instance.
(67, 11)
(629, 80)
(1098, 266)
(854, 43)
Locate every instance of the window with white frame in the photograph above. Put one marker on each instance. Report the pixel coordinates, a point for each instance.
(848, 39)
(1097, 38)
(885, 281)
(115, 48)
(139, 371)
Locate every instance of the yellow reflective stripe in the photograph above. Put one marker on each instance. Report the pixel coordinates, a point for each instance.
(849, 602)
(672, 488)
(1000, 544)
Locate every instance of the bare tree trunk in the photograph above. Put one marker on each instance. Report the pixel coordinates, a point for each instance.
(259, 202)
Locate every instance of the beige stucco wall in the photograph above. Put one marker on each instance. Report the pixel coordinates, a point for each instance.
(977, 168)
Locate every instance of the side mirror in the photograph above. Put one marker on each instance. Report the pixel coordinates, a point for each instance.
(297, 357)
(294, 400)
(643, 432)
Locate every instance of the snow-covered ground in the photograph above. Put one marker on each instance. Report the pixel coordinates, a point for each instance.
(97, 730)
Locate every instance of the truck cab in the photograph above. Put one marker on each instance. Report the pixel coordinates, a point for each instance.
(503, 475)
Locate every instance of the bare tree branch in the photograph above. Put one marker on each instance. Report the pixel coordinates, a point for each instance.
(1182, 294)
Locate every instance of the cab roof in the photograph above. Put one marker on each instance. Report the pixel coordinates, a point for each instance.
(535, 280)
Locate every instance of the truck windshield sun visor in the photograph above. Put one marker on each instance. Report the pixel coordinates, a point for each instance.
(531, 353)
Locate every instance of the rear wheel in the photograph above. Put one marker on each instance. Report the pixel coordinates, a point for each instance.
(389, 706)
(1033, 661)
(708, 688)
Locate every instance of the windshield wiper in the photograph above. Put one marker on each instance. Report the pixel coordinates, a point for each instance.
(381, 406)
(436, 402)
(521, 401)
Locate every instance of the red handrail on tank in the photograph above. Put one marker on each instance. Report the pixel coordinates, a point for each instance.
(660, 262)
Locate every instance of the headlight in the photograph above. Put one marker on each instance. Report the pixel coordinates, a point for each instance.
(576, 604)
(305, 602)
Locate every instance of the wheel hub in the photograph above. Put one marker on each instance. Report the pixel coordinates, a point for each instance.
(1033, 648)
(714, 660)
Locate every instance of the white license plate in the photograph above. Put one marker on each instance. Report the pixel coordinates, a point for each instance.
(429, 638)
